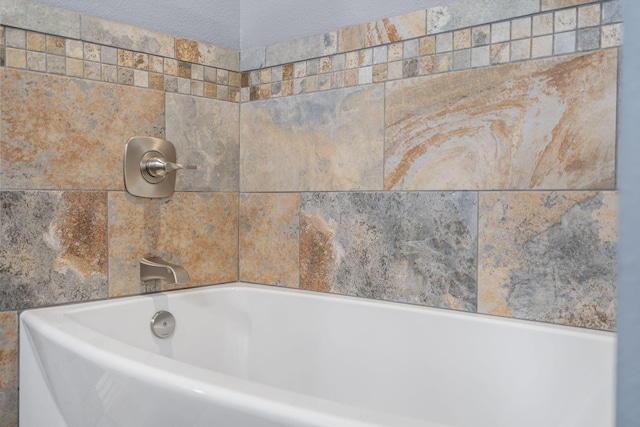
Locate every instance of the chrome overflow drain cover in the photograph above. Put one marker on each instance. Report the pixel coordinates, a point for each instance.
(163, 324)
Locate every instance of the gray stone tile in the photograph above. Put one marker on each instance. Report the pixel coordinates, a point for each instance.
(417, 247)
(564, 43)
(39, 17)
(611, 12)
(54, 248)
(252, 59)
(461, 59)
(9, 369)
(205, 133)
(588, 39)
(301, 49)
(466, 13)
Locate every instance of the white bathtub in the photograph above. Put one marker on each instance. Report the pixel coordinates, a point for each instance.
(247, 355)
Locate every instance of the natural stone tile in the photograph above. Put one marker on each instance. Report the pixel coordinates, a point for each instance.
(36, 42)
(383, 31)
(54, 129)
(564, 43)
(269, 238)
(380, 55)
(125, 76)
(542, 24)
(197, 88)
(179, 230)
(16, 58)
(389, 246)
(394, 52)
(16, 38)
(124, 36)
(141, 79)
(156, 81)
(501, 32)
(75, 67)
(58, 248)
(461, 59)
(210, 90)
(312, 68)
(352, 59)
(92, 52)
(197, 72)
(313, 142)
(480, 56)
(589, 15)
(156, 64)
(559, 4)
(339, 62)
(36, 61)
(520, 49)
(170, 84)
(480, 36)
(56, 64)
(427, 45)
(462, 39)
(521, 28)
(252, 59)
(395, 70)
(299, 70)
(9, 369)
(611, 12)
(207, 54)
(500, 53)
(72, 49)
(365, 58)
(426, 65)
(265, 76)
(109, 73)
(611, 36)
(109, 55)
(467, 13)
(443, 62)
(351, 77)
(542, 46)
(301, 49)
(548, 256)
(2, 56)
(211, 74)
(509, 127)
(57, 46)
(379, 73)
(565, 20)
(39, 17)
(365, 74)
(184, 85)
(410, 49)
(125, 58)
(588, 39)
(444, 42)
(141, 62)
(205, 133)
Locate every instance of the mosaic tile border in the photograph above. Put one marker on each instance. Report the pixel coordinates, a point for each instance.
(575, 29)
(39, 52)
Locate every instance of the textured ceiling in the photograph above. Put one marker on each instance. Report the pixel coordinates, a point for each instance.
(244, 23)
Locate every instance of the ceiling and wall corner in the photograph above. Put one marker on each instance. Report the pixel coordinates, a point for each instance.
(244, 24)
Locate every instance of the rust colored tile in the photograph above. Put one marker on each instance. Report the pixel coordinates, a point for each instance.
(287, 88)
(324, 66)
(269, 231)
(56, 45)
(178, 230)
(184, 69)
(427, 45)
(125, 58)
(9, 369)
(67, 124)
(265, 91)
(254, 93)
(141, 61)
(287, 72)
(188, 50)
(156, 81)
(234, 79)
(426, 65)
(244, 80)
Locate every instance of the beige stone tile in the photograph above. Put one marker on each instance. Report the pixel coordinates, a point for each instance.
(36, 42)
(125, 58)
(500, 53)
(542, 46)
(563, 136)
(559, 4)
(269, 236)
(75, 67)
(56, 64)
(565, 20)
(520, 49)
(141, 61)
(427, 45)
(9, 369)
(542, 24)
(611, 35)
(320, 141)
(462, 39)
(548, 256)
(395, 51)
(92, 121)
(521, 28)
(589, 15)
(16, 58)
(36, 61)
(16, 38)
(384, 31)
(57, 46)
(179, 230)
(207, 54)
(73, 48)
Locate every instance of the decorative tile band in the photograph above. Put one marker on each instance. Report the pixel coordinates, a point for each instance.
(33, 51)
(576, 29)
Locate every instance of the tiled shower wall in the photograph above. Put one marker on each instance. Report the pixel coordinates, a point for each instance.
(73, 89)
(460, 157)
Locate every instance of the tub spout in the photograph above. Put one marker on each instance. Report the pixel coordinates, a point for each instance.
(156, 268)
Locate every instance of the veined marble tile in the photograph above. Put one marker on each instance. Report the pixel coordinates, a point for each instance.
(269, 238)
(207, 54)
(301, 48)
(417, 247)
(327, 141)
(542, 124)
(466, 13)
(383, 31)
(9, 369)
(205, 133)
(66, 133)
(53, 248)
(196, 230)
(34, 16)
(548, 256)
(125, 36)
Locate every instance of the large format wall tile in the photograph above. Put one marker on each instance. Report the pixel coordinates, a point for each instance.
(205, 133)
(314, 142)
(543, 124)
(418, 248)
(9, 369)
(64, 133)
(196, 230)
(548, 256)
(269, 238)
(384, 31)
(53, 247)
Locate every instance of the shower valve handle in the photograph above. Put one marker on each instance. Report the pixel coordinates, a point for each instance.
(155, 167)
